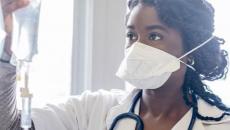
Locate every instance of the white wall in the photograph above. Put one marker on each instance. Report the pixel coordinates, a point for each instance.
(99, 39)
(222, 25)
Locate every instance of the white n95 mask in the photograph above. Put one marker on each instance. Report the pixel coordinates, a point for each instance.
(147, 67)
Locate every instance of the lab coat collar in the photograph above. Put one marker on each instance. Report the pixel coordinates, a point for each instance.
(204, 109)
(122, 107)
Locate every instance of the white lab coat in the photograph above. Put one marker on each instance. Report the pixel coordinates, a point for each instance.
(96, 111)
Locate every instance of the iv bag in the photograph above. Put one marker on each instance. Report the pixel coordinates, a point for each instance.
(25, 31)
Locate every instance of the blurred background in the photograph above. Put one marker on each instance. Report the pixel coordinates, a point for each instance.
(81, 44)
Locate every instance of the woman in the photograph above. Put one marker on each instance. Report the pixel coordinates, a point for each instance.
(170, 50)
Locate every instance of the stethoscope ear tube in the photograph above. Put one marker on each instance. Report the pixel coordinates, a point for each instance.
(135, 100)
(139, 122)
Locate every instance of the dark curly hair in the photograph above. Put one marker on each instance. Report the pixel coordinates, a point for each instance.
(194, 19)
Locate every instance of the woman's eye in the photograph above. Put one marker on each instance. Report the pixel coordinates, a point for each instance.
(155, 36)
(131, 36)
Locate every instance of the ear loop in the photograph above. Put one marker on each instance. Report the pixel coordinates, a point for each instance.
(194, 49)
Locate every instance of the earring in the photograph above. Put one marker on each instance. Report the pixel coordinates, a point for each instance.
(191, 61)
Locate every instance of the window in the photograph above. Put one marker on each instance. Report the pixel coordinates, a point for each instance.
(50, 73)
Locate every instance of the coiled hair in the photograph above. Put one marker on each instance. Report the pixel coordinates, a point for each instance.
(194, 19)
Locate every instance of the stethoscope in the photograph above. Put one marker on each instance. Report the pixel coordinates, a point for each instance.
(131, 115)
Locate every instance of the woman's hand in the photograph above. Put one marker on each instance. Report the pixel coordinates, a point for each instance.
(9, 6)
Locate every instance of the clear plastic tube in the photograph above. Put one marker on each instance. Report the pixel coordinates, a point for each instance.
(26, 96)
(26, 113)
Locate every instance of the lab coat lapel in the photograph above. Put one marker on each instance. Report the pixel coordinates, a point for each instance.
(123, 107)
(183, 123)
(198, 125)
(204, 109)
(126, 124)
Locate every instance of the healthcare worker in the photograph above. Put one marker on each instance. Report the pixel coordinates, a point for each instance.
(170, 51)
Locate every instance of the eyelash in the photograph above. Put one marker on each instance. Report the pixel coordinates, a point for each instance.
(130, 36)
(156, 36)
(152, 36)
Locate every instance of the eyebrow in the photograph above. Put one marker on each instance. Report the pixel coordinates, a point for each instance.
(130, 27)
(150, 27)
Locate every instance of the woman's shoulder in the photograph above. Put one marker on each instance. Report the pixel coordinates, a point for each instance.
(208, 110)
(98, 98)
(114, 94)
(88, 108)
(224, 124)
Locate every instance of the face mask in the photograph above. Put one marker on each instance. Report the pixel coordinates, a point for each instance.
(147, 67)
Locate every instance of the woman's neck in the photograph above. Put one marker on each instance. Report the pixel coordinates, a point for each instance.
(163, 103)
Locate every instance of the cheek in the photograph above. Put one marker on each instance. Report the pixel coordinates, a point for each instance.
(176, 49)
(178, 76)
(175, 45)
(171, 47)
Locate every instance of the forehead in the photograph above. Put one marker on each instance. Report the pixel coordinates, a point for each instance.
(143, 15)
